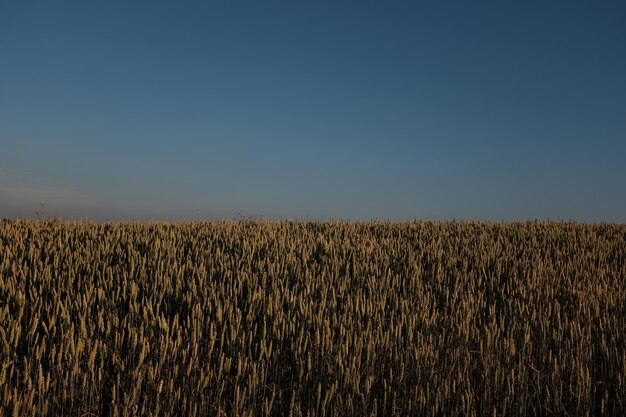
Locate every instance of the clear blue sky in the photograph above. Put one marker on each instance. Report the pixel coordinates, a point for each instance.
(354, 110)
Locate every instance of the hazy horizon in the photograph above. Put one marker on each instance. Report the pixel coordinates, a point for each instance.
(355, 111)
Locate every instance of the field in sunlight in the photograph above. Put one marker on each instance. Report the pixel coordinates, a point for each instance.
(246, 318)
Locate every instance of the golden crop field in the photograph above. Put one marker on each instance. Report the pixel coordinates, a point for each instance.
(312, 319)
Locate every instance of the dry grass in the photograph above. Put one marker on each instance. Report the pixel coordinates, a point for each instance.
(312, 319)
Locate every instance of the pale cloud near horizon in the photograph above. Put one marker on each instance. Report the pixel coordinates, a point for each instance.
(23, 194)
(29, 201)
(27, 198)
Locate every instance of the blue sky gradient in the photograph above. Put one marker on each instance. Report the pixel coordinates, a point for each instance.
(352, 110)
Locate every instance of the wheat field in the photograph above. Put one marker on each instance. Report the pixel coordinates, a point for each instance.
(247, 318)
